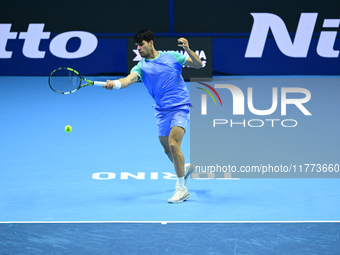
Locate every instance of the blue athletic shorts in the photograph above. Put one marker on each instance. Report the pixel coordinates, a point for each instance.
(176, 117)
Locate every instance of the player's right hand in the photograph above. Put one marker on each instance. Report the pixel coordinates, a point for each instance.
(109, 85)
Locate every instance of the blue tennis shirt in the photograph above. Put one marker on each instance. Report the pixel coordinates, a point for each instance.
(162, 76)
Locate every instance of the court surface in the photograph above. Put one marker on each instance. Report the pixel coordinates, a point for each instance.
(112, 168)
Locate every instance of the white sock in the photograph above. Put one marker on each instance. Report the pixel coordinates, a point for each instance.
(180, 182)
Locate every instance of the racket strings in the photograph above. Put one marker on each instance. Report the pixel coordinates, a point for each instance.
(64, 80)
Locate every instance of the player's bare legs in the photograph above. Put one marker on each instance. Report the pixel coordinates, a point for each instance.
(172, 148)
(175, 141)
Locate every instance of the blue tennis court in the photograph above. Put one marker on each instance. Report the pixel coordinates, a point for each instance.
(111, 168)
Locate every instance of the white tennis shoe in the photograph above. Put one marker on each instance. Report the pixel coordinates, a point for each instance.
(179, 196)
(189, 168)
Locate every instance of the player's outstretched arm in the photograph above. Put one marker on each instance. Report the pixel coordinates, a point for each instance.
(193, 59)
(124, 82)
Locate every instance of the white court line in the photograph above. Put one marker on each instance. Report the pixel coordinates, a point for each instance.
(161, 222)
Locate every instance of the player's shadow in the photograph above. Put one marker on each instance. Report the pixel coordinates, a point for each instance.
(142, 194)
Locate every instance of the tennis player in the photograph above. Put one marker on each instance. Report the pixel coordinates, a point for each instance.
(161, 73)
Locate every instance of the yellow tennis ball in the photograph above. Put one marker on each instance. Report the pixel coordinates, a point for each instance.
(68, 129)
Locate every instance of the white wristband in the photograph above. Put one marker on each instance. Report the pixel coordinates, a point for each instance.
(118, 84)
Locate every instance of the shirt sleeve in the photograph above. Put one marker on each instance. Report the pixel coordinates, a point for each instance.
(181, 59)
(138, 70)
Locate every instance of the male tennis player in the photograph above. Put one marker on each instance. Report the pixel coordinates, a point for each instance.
(162, 75)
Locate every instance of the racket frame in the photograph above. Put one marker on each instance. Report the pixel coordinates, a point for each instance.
(88, 82)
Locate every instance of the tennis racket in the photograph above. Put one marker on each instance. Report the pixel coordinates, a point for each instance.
(65, 80)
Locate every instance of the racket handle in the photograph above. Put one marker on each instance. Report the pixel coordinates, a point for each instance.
(99, 83)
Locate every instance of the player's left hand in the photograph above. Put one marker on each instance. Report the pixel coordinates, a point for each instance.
(182, 42)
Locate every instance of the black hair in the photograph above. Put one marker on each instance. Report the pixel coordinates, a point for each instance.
(144, 34)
